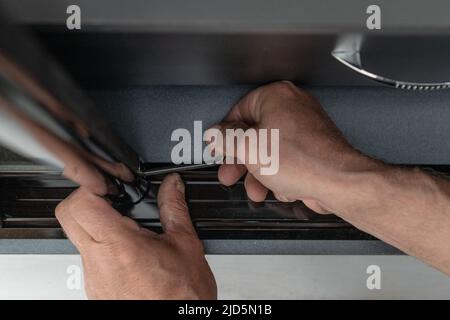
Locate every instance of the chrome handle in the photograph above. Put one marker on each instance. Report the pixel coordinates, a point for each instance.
(352, 59)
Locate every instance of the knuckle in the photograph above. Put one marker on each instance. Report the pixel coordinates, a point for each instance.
(71, 203)
(283, 87)
(271, 91)
(97, 202)
(89, 202)
(128, 257)
(286, 89)
(60, 209)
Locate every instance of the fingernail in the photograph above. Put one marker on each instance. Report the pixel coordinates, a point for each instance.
(179, 182)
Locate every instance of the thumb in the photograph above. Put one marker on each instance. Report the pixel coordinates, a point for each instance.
(173, 210)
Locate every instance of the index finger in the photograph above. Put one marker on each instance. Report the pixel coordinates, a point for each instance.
(250, 107)
(245, 110)
(76, 234)
(96, 216)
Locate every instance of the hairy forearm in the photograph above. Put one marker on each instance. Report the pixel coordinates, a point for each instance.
(407, 208)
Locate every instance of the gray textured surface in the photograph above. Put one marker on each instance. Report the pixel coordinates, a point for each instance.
(397, 126)
(282, 247)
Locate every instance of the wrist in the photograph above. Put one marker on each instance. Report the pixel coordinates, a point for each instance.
(355, 183)
(385, 188)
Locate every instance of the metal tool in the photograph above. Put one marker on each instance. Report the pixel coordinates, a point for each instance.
(178, 168)
(353, 61)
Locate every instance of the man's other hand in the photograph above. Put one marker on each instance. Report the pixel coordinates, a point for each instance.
(121, 260)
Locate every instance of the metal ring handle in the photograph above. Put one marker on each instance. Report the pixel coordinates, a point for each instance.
(352, 59)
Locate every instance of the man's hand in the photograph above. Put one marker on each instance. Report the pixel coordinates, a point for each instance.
(124, 261)
(404, 207)
(313, 152)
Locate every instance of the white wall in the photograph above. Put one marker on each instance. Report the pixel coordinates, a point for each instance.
(248, 277)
